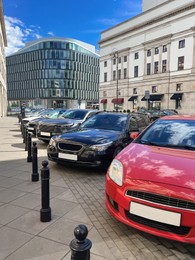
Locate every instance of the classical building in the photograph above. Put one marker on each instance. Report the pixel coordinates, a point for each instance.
(149, 60)
(54, 72)
(3, 44)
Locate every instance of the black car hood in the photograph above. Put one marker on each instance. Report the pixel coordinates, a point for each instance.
(59, 121)
(90, 136)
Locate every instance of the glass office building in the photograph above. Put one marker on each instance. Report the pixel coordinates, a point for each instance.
(54, 72)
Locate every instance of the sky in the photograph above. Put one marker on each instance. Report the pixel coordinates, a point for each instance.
(84, 20)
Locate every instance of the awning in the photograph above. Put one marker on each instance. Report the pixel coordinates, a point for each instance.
(153, 97)
(177, 96)
(118, 100)
(132, 98)
(104, 101)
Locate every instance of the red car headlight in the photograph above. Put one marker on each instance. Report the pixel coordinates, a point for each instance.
(115, 172)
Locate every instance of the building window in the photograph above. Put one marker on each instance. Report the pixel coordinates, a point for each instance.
(136, 56)
(179, 87)
(134, 90)
(119, 60)
(114, 74)
(125, 73)
(164, 65)
(181, 63)
(164, 49)
(148, 68)
(105, 63)
(154, 89)
(148, 53)
(181, 44)
(156, 50)
(135, 71)
(125, 58)
(114, 61)
(155, 67)
(105, 77)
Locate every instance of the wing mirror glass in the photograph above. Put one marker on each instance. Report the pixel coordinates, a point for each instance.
(134, 135)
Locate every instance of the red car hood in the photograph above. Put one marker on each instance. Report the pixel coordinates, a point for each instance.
(159, 165)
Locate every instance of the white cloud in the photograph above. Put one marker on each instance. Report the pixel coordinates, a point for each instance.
(50, 33)
(18, 34)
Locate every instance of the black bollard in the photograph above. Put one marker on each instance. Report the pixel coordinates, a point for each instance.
(26, 138)
(29, 157)
(23, 132)
(45, 212)
(35, 174)
(80, 246)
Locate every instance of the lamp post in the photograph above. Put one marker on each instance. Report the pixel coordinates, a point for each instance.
(115, 56)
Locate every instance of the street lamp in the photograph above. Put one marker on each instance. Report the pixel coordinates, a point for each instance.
(115, 56)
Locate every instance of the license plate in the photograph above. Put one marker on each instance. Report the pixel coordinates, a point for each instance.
(30, 128)
(67, 156)
(45, 134)
(160, 215)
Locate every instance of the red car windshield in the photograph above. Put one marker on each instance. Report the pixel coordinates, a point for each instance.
(170, 133)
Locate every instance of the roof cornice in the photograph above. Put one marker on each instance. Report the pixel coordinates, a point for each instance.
(146, 23)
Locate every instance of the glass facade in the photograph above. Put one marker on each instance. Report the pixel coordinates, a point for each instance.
(54, 69)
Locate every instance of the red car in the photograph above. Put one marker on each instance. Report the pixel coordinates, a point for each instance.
(150, 184)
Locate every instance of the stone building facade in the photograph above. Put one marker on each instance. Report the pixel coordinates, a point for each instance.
(149, 60)
(3, 44)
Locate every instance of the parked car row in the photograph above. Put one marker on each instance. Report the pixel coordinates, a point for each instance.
(150, 180)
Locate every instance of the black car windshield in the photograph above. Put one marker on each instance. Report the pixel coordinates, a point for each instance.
(170, 133)
(115, 122)
(74, 114)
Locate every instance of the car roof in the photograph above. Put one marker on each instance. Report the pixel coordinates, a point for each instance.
(178, 117)
(81, 109)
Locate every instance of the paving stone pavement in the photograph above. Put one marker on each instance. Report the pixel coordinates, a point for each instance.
(76, 197)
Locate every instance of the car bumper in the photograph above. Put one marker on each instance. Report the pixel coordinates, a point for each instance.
(89, 160)
(119, 206)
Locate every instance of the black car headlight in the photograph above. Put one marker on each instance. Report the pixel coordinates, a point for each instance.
(100, 147)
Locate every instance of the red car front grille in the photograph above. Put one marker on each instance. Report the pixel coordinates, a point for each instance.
(163, 200)
(158, 225)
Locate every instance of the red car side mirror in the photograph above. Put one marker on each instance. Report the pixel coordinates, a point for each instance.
(133, 135)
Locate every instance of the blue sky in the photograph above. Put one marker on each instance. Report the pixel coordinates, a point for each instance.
(28, 20)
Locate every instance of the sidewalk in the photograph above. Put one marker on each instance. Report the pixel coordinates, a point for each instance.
(22, 235)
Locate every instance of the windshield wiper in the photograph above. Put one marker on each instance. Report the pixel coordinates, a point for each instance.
(150, 143)
(187, 147)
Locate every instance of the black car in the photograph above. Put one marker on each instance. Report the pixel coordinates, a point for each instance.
(53, 114)
(71, 119)
(97, 141)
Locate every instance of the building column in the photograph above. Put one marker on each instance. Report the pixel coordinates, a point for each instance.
(193, 55)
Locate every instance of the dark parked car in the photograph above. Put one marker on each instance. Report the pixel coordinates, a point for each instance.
(71, 119)
(32, 124)
(97, 141)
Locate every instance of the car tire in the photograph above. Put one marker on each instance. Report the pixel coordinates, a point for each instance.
(118, 149)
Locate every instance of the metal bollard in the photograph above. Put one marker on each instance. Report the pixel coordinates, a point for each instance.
(23, 131)
(29, 157)
(26, 138)
(45, 212)
(35, 174)
(80, 246)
